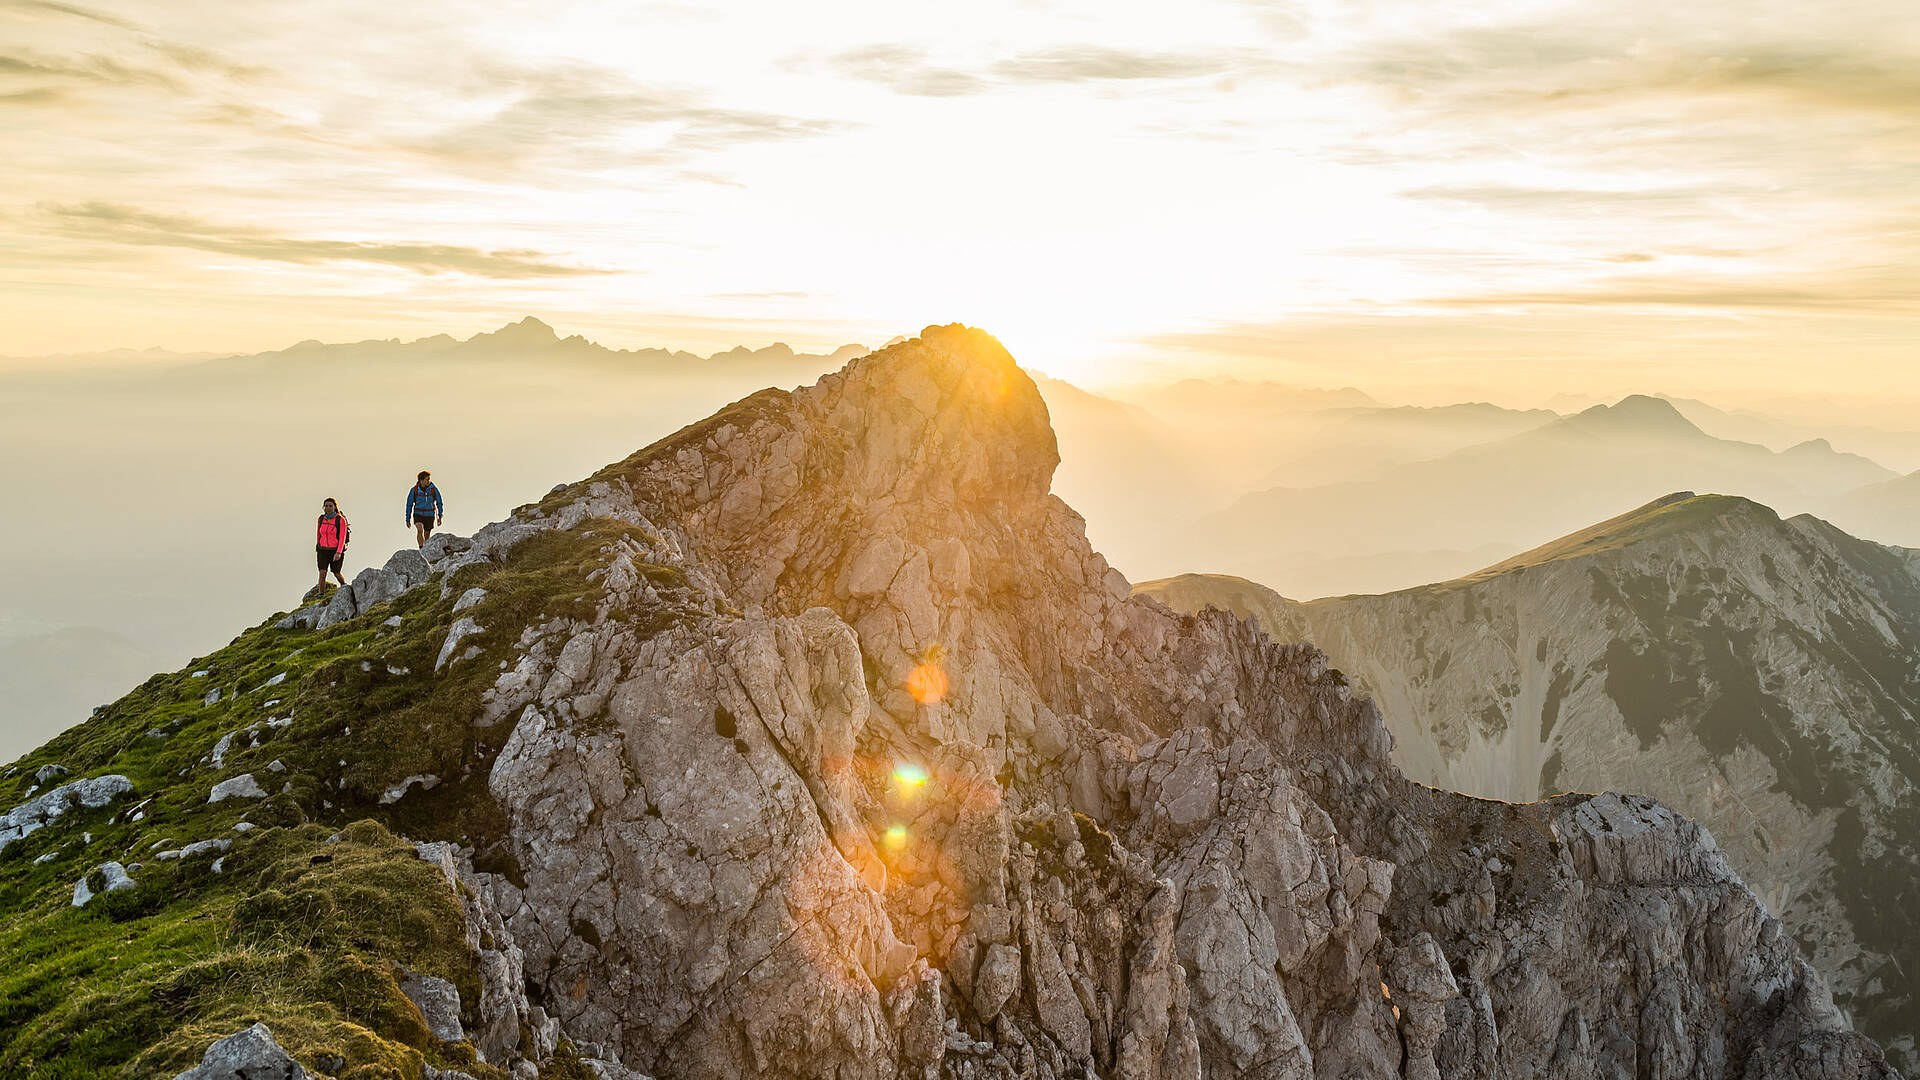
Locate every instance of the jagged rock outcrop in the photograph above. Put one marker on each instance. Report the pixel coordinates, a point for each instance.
(1760, 675)
(877, 770)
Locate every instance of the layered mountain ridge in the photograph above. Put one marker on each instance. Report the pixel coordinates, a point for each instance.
(815, 740)
(1760, 675)
(1509, 492)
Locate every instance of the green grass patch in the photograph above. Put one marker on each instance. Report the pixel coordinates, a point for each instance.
(302, 933)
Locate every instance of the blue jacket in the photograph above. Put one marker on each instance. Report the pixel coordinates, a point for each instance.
(424, 504)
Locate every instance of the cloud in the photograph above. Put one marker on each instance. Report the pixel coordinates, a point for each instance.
(129, 225)
(51, 7)
(1560, 67)
(1093, 64)
(180, 63)
(1873, 291)
(906, 70)
(587, 111)
(203, 61)
(37, 96)
(89, 68)
(1692, 203)
(1512, 197)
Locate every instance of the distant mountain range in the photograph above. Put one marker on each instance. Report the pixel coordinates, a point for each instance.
(513, 342)
(1760, 675)
(516, 340)
(1510, 492)
(1352, 444)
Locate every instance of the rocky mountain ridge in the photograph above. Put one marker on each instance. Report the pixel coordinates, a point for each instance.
(814, 740)
(1760, 675)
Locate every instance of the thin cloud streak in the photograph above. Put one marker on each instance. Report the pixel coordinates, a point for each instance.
(906, 70)
(46, 7)
(583, 111)
(128, 225)
(1533, 68)
(1869, 297)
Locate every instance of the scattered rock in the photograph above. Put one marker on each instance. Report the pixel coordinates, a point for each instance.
(110, 876)
(252, 1054)
(399, 790)
(443, 546)
(37, 813)
(469, 598)
(199, 848)
(462, 628)
(408, 567)
(243, 786)
(439, 1003)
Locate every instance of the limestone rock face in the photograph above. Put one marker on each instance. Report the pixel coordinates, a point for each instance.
(1759, 675)
(860, 763)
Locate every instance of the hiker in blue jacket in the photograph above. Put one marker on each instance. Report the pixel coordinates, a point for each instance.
(424, 507)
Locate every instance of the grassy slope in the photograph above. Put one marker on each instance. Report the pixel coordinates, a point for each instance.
(298, 931)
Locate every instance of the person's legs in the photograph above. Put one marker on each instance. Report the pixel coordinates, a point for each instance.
(419, 532)
(321, 555)
(339, 560)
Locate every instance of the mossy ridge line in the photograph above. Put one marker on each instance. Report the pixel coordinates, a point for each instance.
(299, 932)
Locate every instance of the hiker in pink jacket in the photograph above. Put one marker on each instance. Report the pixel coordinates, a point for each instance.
(330, 542)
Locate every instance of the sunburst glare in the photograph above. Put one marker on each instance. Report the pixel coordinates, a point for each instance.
(927, 683)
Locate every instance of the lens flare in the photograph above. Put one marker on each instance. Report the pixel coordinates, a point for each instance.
(910, 777)
(927, 683)
(896, 837)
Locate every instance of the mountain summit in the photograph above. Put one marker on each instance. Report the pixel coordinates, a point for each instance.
(815, 741)
(1635, 414)
(1760, 675)
(528, 330)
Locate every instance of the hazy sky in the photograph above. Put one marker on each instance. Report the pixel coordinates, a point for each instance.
(1547, 196)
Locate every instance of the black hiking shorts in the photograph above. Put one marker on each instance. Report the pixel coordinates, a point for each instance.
(425, 523)
(329, 558)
